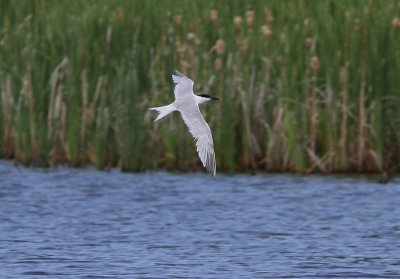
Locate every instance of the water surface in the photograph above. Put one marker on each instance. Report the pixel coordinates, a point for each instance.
(71, 223)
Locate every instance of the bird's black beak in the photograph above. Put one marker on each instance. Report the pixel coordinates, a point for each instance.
(215, 98)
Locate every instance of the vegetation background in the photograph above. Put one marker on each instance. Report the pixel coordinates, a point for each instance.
(307, 86)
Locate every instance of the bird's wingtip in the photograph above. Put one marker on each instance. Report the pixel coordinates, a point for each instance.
(213, 173)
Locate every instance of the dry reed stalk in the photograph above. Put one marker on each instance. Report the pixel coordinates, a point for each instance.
(103, 93)
(57, 114)
(97, 97)
(85, 106)
(248, 154)
(375, 164)
(258, 122)
(7, 102)
(275, 143)
(98, 110)
(55, 84)
(314, 65)
(362, 122)
(58, 104)
(332, 123)
(58, 150)
(63, 130)
(103, 120)
(316, 162)
(343, 123)
(259, 110)
(376, 159)
(93, 111)
(21, 135)
(313, 120)
(241, 101)
(254, 148)
(31, 105)
(109, 34)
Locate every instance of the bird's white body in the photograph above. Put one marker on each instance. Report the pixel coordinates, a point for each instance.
(187, 103)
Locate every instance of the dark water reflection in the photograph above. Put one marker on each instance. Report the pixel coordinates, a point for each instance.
(69, 223)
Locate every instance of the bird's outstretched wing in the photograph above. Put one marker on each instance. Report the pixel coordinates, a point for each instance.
(183, 84)
(201, 132)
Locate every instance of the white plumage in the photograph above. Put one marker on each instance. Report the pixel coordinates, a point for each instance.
(187, 103)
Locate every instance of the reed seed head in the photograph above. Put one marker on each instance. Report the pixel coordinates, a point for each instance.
(180, 48)
(178, 19)
(396, 23)
(266, 31)
(238, 21)
(191, 37)
(250, 18)
(218, 64)
(309, 42)
(268, 16)
(119, 15)
(220, 47)
(243, 45)
(314, 64)
(213, 15)
(185, 66)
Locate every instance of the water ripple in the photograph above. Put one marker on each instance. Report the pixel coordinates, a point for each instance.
(74, 223)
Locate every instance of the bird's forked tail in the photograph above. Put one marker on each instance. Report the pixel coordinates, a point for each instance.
(163, 111)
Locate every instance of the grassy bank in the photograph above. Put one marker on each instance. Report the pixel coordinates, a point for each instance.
(306, 85)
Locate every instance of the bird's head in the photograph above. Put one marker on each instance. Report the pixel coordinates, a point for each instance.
(202, 98)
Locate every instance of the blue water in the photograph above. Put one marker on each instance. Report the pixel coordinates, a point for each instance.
(70, 223)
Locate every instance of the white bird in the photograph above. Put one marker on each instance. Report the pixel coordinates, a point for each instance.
(187, 103)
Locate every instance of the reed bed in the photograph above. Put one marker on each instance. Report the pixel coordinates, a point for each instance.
(307, 86)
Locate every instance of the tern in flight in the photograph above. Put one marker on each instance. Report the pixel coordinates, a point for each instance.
(187, 103)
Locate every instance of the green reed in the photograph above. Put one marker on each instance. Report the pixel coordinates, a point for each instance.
(305, 86)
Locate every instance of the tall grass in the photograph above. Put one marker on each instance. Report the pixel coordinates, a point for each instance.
(306, 86)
